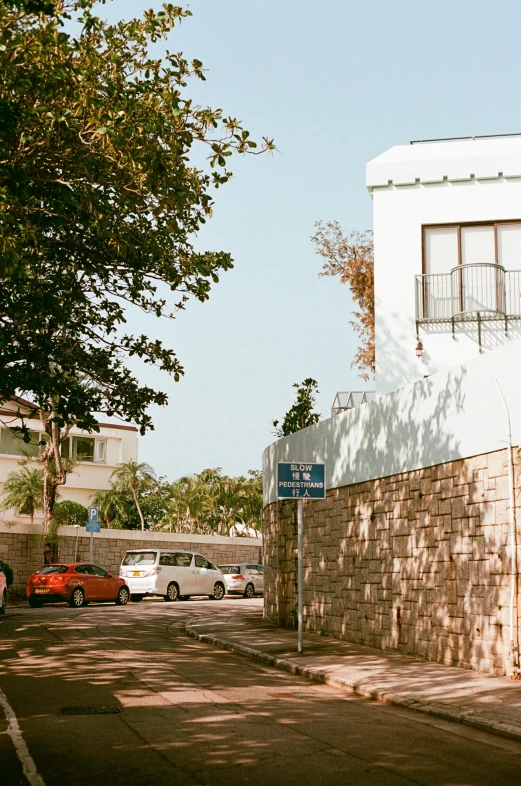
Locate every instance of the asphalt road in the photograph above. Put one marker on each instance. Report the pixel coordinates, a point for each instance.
(192, 714)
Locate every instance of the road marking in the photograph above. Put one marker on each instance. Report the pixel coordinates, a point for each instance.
(22, 751)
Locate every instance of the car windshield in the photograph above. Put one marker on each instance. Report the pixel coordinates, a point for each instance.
(54, 569)
(230, 568)
(140, 558)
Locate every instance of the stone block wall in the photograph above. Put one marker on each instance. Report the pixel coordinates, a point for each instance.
(23, 549)
(417, 562)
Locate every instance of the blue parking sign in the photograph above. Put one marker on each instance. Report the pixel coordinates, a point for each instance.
(93, 514)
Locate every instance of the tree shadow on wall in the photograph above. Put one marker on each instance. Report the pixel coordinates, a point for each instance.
(399, 432)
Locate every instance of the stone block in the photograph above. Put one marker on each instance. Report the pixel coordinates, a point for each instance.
(497, 463)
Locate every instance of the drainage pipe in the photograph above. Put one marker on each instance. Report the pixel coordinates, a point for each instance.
(514, 631)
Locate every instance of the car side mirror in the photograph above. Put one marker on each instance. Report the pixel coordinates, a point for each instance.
(110, 576)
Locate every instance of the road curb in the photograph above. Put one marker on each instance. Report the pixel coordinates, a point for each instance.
(388, 697)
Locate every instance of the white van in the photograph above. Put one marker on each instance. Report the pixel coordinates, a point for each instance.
(174, 574)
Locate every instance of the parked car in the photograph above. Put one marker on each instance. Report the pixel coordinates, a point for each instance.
(243, 579)
(3, 592)
(77, 584)
(174, 574)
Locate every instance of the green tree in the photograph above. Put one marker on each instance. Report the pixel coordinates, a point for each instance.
(118, 510)
(69, 514)
(251, 509)
(131, 477)
(211, 502)
(99, 201)
(188, 506)
(23, 491)
(301, 414)
(351, 257)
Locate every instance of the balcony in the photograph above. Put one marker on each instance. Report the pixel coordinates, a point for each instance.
(469, 293)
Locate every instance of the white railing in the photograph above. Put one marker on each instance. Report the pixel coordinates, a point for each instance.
(348, 399)
(484, 289)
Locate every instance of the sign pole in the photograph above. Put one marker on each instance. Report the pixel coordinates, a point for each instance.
(93, 525)
(300, 480)
(300, 646)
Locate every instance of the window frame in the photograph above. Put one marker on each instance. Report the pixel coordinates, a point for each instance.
(95, 459)
(42, 437)
(459, 226)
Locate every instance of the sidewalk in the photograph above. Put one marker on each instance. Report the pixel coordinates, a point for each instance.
(488, 703)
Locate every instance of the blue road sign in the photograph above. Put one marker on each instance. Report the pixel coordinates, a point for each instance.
(301, 480)
(93, 514)
(93, 526)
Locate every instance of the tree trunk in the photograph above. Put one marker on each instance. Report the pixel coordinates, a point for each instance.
(54, 475)
(50, 547)
(133, 488)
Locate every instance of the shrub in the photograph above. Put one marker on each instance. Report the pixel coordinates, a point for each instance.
(8, 572)
(67, 513)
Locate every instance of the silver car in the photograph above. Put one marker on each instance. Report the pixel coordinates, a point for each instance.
(243, 579)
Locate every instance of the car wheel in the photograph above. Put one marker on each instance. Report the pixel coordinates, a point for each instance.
(249, 591)
(136, 598)
(123, 596)
(35, 603)
(172, 592)
(218, 591)
(77, 598)
(3, 602)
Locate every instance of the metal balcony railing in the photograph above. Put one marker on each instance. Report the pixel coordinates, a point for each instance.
(469, 293)
(349, 399)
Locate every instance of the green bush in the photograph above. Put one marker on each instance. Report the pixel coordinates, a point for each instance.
(67, 513)
(8, 572)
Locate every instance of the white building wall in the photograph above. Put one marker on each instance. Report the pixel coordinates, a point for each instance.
(451, 415)
(86, 478)
(436, 183)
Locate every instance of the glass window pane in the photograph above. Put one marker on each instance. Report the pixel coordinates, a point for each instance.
(509, 246)
(183, 560)
(140, 558)
(83, 448)
(477, 245)
(12, 444)
(101, 451)
(441, 249)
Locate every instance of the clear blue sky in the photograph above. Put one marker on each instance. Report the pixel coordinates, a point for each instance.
(335, 83)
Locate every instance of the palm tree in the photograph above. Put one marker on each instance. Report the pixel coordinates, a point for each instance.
(111, 507)
(23, 491)
(133, 477)
(187, 507)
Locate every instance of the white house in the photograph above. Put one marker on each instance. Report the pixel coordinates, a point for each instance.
(418, 544)
(95, 455)
(447, 232)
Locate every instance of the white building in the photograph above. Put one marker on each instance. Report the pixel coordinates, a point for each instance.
(95, 455)
(447, 231)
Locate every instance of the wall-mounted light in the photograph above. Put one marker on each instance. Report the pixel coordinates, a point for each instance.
(419, 350)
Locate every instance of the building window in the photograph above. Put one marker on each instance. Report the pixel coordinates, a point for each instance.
(85, 449)
(12, 444)
(493, 243)
(82, 449)
(100, 451)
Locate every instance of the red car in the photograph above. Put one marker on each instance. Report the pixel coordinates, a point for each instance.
(3, 592)
(77, 584)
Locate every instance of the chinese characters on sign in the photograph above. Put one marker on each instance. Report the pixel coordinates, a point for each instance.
(301, 480)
